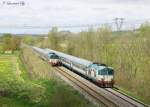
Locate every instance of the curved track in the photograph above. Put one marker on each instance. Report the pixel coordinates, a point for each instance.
(127, 98)
(92, 92)
(105, 96)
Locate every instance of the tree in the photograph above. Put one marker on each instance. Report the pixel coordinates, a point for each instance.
(11, 42)
(28, 39)
(53, 38)
(16, 42)
(145, 29)
(7, 42)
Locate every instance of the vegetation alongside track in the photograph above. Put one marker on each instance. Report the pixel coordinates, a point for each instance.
(14, 87)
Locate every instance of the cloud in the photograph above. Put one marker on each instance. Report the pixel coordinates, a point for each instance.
(122, 2)
(56, 12)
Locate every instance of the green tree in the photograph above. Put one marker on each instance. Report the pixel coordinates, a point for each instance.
(11, 42)
(28, 39)
(7, 42)
(145, 29)
(53, 38)
(16, 42)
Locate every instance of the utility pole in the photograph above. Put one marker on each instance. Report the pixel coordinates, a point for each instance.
(119, 23)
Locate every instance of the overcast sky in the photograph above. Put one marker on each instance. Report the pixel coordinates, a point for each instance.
(69, 12)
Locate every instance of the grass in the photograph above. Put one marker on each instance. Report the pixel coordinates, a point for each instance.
(9, 102)
(6, 64)
(12, 85)
(7, 72)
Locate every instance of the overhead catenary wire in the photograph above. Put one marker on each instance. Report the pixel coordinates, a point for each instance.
(118, 24)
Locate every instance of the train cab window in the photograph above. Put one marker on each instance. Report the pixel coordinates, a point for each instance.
(102, 72)
(106, 71)
(54, 57)
(110, 71)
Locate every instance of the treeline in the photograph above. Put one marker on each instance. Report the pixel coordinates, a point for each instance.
(10, 43)
(128, 52)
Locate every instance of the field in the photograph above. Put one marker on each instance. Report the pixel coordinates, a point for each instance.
(8, 69)
(15, 88)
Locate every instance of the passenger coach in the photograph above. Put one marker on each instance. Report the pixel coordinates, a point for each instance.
(102, 74)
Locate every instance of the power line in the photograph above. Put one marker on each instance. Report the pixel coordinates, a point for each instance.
(60, 26)
(119, 22)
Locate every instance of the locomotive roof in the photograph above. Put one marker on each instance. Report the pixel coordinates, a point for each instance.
(100, 64)
(42, 50)
(71, 58)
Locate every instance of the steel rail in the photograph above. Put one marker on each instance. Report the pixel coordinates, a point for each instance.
(124, 95)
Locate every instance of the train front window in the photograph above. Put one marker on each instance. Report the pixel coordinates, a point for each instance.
(102, 72)
(110, 71)
(106, 71)
(54, 57)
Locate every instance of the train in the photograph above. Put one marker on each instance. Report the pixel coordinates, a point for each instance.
(50, 57)
(101, 74)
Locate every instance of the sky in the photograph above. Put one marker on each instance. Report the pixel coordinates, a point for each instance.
(67, 13)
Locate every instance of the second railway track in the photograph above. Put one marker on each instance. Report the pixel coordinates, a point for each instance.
(127, 98)
(103, 96)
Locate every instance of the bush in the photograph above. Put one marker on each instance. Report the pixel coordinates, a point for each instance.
(27, 91)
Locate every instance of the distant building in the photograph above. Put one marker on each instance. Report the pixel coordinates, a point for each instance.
(8, 52)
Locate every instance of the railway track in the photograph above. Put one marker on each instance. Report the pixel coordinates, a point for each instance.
(127, 98)
(85, 87)
(103, 96)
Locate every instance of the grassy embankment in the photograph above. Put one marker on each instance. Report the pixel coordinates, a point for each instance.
(33, 84)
